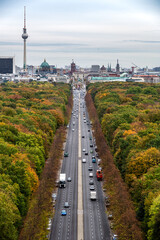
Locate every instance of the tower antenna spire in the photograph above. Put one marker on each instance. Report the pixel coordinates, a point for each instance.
(25, 17)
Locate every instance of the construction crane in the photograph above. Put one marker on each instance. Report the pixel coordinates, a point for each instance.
(135, 66)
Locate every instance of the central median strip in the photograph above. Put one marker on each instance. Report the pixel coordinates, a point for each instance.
(80, 192)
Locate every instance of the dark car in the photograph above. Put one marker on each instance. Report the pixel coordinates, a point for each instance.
(86, 153)
(91, 182)
(90, 168)
(91, 145)
(66, 154)
(83, 136)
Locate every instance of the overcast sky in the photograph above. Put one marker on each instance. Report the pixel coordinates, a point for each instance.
(88, 31)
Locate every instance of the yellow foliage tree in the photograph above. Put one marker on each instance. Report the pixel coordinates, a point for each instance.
(139, 164)
(128, 132)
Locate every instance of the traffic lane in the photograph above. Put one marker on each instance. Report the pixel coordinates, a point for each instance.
(99, 211)
(63, 222)
(72, 195)
(72, 232)
(91, 228)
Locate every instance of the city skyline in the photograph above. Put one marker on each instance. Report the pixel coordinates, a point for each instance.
(90, 32)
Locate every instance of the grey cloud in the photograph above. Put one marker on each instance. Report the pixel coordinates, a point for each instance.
(141, 41)
(43, 44)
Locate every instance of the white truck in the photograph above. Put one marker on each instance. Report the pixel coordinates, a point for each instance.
(93, 195)
(62, 180)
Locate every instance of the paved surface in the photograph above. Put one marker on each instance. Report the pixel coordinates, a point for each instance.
(85, 219)
(80, 187)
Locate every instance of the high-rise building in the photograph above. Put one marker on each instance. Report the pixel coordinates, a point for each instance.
(24, 36)
(95, 68)
(7, 65)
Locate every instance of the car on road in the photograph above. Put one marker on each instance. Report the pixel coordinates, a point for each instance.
(66, 154)
(90, 168)
(88, 130)
(91, 174)
(99, 161)
(66, 205)
(86, 153)
(114, 237)
(96, 149)
(83, 160)
(83, 149)
(91, 182)
(63, 212)
(83, 136)
(91, 151)
(92, 187)
(93, 159)
(69, 179)
(54, 196)
(73, 130)
(49, 224)
(91, 145)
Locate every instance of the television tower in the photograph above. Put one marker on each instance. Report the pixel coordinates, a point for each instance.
(24, 36)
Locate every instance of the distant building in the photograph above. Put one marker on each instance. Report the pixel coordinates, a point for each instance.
(117, 67)
(94, 79)
(53, 69)
(95, 68)
(31, 69)
(103, 68)
(156, 69)
(148, 78)
(109, 68)
(55, 78)
(7, 65)
(73, 67)
(45, 68)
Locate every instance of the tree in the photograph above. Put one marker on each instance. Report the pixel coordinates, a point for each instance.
(9, 217)
(154, 222)
(140, 163)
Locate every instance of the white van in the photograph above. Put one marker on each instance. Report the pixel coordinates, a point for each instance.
(93, 195)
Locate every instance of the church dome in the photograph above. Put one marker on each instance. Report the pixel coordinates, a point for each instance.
(45, 65)
(103, 68)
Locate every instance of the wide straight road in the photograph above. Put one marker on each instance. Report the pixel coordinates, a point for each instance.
(85, 219)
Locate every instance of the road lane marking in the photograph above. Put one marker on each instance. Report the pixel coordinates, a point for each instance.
(80, 192)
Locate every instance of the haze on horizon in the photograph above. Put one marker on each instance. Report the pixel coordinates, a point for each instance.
(88, 31)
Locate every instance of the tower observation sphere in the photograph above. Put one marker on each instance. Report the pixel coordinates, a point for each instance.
(24, 35)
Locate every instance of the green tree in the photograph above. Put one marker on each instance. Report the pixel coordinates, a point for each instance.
(154, 222)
